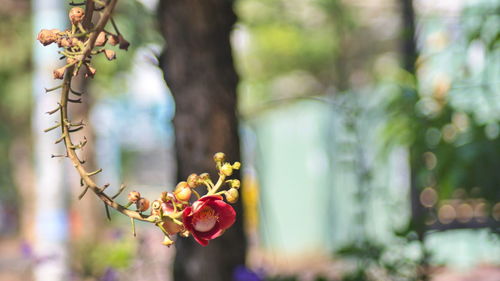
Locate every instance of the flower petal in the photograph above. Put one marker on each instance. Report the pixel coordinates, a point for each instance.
(226, 213)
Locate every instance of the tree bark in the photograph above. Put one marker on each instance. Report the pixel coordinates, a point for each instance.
(198, 68)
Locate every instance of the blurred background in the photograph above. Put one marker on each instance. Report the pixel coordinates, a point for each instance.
(368, 131)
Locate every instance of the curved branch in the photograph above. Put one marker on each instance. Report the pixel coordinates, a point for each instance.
(65, 124)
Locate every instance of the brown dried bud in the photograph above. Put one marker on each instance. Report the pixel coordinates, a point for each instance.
(142, 204)
(47, 37)
(193, 180)
(101, 39)
(74, 42)
(112, 40)
(71, 60)
(59, 73)
(133, 196)
(90, 72)
(64, 42)
(76, 15)
(123, 43)
(110, 54)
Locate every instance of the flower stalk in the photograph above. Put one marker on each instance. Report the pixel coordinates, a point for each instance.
(183, 211)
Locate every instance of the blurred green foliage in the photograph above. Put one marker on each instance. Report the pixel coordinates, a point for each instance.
(91, 259)
(290, 55)
(15, 85)
(449, 115)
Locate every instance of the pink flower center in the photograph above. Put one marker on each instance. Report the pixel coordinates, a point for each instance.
(204, 220)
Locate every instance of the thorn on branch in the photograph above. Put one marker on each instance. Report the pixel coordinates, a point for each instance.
(83, 193)
(75, 100)
(75, 129)
(58, 155)
(114, 26)
(76, 4)
(108, 215)
(54, 110)
(61, 138)
(75, 92)
(133, 227)
(104, 187)
(122, 187)
(94, 172)
(52, 89)
(52, 128)
(80, 145)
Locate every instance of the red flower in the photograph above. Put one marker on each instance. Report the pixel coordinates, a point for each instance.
(208, 218)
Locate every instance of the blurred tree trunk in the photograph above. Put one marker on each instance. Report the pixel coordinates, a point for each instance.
(409, 46)
(409, 57)
(198, 68)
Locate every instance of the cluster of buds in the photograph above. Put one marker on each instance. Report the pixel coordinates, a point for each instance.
(207, 217)
(77, 46)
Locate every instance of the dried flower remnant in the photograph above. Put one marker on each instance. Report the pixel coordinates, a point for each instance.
(76, 15)
(110, 54)
(47, 37)
(101, 39)
(59, 73)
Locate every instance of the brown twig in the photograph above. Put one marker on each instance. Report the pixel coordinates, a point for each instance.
(65, 127)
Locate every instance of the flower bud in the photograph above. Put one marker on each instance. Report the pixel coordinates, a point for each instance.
(235, 184)
(123, 43)
(226, 169)
(204, 176)
(47, 37)
(59, 73)
(182, 192)
(236, 165)
(112, 40)
(133, 196)
(193, 180)
(167, 241)
(219, 157)
(232, 195)
(142, 204)
(76, 15)
(101, 39)
(110, 54)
